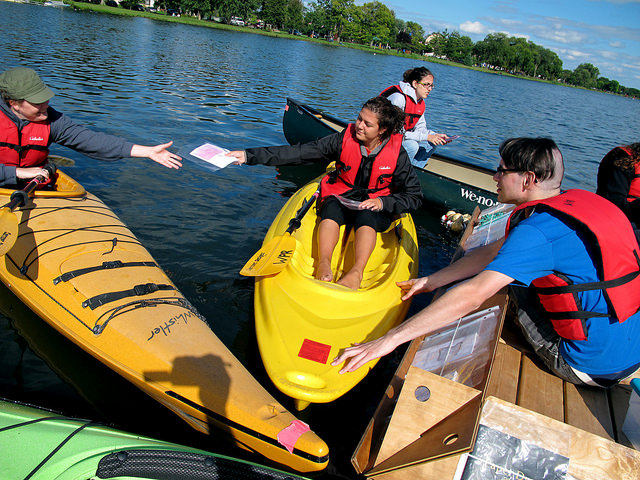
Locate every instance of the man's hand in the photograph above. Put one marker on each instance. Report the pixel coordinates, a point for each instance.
(414, 286)
(363, 353)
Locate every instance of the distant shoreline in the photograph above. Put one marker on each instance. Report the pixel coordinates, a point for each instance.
(188, 20)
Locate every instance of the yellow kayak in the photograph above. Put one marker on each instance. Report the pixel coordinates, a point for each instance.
(303, 323)
(81, 269)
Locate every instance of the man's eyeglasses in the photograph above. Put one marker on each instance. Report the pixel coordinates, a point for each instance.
(502, 170)
(426, 85)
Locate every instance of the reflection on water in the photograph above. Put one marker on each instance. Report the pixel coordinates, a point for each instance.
(153, 81)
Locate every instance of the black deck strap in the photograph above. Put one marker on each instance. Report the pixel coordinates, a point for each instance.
(65, 277)
(58, 447)
(138, 290)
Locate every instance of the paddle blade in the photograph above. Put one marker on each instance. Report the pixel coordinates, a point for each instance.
(271, 258)
(8, 230)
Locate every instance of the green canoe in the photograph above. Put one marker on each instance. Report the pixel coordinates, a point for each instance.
(446, 182)
(37, 444)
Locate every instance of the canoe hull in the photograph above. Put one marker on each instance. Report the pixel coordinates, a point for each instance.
(79, 268)
(303, 323)
(446, 182)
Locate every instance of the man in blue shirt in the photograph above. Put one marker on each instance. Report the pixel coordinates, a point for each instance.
(588, 335)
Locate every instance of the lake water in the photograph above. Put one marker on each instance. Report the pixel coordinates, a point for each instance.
(153, 81)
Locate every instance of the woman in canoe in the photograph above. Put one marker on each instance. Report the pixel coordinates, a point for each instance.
(28, 125)
(619, 181)
(371, 168)
(410, 95)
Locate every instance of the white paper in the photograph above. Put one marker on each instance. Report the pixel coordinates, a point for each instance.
(213, 154)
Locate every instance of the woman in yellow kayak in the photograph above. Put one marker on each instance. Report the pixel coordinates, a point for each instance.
(373, 181)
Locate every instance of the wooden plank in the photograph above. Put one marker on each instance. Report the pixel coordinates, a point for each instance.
(540, 390)
(505, 373)
(592, 457)
(588, 408)
(619, 398)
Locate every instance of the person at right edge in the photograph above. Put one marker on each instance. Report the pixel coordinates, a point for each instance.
(619, 181)
(574, 259)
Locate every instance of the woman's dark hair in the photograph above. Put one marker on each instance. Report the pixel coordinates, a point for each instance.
(390, 117)
(416, 74)
(625, 157)
(531, 155)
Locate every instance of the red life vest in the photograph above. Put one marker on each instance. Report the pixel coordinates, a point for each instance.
(25, 148)
(412, 110)
(615, 255)
(634, 188)
(384, 165)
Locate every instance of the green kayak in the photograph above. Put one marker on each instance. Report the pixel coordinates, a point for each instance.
(38, 444)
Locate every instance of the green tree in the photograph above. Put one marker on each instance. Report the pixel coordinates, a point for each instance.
(380, 21)
(458, 47)
(585, 75)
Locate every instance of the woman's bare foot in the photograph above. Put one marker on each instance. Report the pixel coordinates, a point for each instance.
(324, 272)
(351, 279)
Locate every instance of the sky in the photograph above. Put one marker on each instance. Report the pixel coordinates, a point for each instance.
(605, 33)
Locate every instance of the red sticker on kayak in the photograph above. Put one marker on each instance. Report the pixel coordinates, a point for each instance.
(318, 352)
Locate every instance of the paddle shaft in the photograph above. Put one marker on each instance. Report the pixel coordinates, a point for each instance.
(296, 221)
(19, 197)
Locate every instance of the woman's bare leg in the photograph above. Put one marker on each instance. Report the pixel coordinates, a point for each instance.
(328, 232)
(365, 242)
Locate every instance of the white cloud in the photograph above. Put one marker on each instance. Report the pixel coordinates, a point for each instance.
(616, 44)
(473, 27)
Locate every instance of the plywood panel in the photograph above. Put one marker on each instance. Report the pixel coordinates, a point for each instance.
(412, 418)
(592, 457)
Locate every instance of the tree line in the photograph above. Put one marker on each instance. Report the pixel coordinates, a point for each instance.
(375, 25)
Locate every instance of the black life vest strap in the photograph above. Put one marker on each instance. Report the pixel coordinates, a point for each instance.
(579, 314)
(581, 287)
(138, 290)
(65, 277)
(22, 148)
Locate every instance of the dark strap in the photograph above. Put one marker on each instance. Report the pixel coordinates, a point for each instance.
(21, 148)
(574, 315)
(65, 277)
(138, 290)
(581, 287)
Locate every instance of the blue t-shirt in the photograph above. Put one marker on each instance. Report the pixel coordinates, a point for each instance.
(544, 244)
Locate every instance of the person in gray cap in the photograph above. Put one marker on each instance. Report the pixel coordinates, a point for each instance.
(28, 126)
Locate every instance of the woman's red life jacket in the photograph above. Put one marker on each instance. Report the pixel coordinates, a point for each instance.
(384, 165)
(614, 251)
(412, 110)
(634, 187)
(25, 148)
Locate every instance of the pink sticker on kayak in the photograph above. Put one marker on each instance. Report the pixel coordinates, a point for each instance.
(290, 435)
(317, 352)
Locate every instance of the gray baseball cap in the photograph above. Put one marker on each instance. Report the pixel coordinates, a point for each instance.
(21, 83)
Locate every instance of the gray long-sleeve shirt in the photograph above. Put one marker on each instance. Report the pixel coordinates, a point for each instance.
(67, 133)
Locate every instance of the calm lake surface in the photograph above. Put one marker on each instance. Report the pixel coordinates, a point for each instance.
(153, 81)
